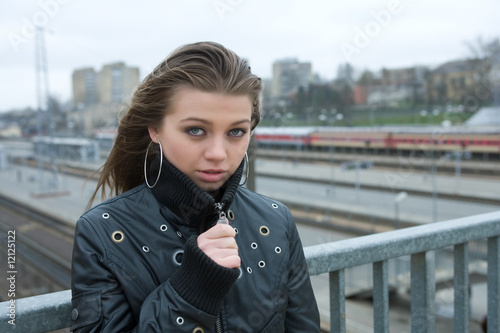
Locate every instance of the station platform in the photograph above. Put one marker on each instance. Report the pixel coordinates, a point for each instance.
(66, 201)
(402, 179)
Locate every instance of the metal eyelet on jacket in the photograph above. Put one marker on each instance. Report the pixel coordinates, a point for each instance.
(264, 231)
(180, 320)
(163, 227)
(274, 205)
(249, 270)
(262, 264)
(277, 249)
(145, 248)
(74, 314)
(177, 257)
(179, 234)
(230, 214)
(198, 330)
(105, 216)
(236, 230)
(117, 236)
(253, 245)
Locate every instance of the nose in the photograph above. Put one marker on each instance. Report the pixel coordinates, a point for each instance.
(216, 149)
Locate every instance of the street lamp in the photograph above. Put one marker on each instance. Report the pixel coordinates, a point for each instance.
(400, 197)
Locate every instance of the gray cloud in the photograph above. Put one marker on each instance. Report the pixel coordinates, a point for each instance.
(93, 33)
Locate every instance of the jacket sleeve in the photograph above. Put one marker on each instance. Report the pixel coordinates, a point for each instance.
(302, 312)
(190, 298)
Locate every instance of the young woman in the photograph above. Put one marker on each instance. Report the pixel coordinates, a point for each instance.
(182, 247)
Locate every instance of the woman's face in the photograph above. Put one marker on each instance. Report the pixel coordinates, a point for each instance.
(205, 135)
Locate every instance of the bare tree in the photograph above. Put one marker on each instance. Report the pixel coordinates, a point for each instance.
(484, 56)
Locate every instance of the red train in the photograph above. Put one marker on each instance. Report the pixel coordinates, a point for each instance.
(474, 141)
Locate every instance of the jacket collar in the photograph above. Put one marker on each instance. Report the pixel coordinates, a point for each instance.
(186, 199)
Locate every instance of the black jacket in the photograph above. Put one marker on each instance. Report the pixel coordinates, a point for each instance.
(136, 265)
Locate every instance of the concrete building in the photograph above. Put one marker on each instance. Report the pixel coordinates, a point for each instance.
(115, 83)
(84, 87)
(451, 82)
(396, 86)
(408, 76)
(10, 131)
(98, 97)
(288, 76)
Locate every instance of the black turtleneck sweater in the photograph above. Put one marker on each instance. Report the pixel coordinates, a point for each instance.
(199, 280)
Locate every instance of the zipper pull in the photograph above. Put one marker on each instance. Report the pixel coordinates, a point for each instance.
(222, 216)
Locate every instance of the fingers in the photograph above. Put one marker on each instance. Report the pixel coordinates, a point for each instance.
(229, 262)
(218, 244)
(220, 230)
(228, 258)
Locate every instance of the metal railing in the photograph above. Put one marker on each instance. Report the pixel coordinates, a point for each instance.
(53, 311)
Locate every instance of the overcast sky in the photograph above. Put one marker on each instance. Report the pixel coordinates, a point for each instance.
(367, 33)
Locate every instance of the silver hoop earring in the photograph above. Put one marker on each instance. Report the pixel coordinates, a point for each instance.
(247, 167)
(161, 163)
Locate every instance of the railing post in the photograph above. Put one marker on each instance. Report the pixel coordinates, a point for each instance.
(423, 292)
(461, 286)
(337, 301)
(493, 284)
(380, 297)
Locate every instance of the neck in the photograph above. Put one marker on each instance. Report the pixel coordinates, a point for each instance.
(186, 199)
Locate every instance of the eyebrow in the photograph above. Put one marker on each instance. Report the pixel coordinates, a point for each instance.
(208, 122)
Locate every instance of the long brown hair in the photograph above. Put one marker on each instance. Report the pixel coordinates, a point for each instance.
(206, 66)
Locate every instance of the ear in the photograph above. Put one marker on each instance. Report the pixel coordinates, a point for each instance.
(153, 133)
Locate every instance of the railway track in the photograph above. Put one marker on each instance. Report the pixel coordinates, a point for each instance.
(445, 165)
(41, 250)
(473, 169)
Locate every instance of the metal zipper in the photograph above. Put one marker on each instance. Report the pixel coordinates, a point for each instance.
(218, 325)
(219, 206)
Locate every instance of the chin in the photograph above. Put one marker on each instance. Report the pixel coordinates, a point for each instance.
(210, 188)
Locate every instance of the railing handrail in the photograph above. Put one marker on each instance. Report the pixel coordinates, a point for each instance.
(42, 313)
(391, 244)
(52, 311)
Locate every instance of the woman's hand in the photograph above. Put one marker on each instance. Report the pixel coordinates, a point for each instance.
(218, 244)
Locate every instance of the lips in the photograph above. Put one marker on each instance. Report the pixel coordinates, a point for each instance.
(211, 176)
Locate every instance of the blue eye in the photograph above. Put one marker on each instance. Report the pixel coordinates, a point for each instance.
(195, 131)
(237, 132)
